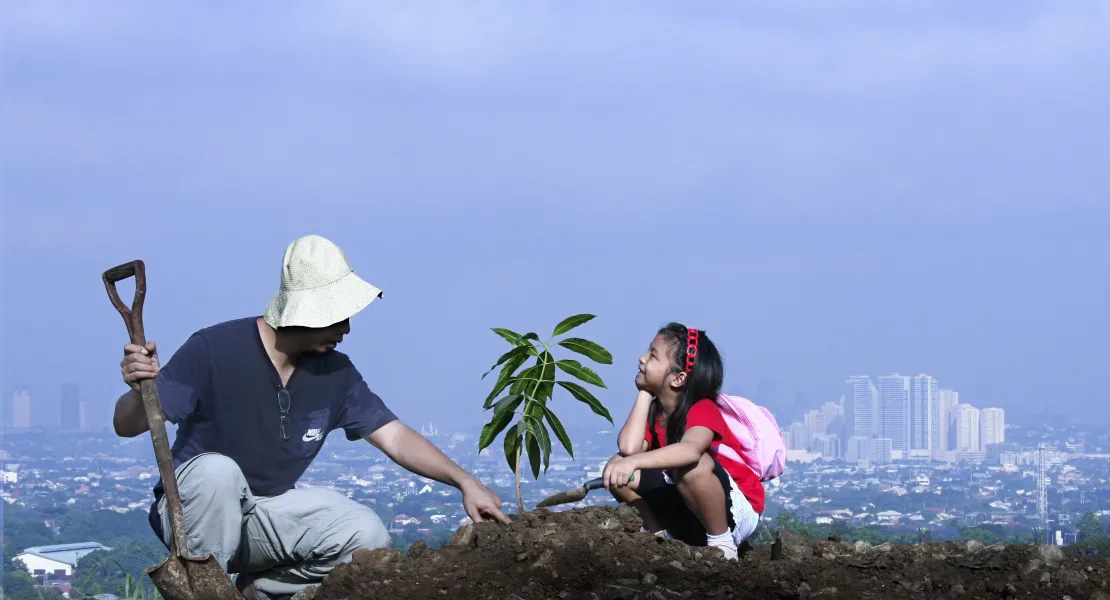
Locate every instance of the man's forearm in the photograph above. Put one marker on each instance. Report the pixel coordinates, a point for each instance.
(416, 454)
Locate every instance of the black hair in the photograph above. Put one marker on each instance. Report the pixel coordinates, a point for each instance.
(704, 380)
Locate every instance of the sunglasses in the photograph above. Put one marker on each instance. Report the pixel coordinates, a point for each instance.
(283, 399)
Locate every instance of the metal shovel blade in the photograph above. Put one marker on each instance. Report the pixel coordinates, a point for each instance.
(179, 577)
(571, 495)
(192, 578)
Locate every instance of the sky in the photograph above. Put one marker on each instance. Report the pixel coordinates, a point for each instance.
(827, 189)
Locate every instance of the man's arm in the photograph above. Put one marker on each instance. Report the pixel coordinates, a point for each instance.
(416, 454)
(130, 419)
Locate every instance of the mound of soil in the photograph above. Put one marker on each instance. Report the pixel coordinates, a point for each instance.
(598, 553)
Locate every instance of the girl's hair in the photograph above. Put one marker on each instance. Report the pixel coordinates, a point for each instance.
(704, 380)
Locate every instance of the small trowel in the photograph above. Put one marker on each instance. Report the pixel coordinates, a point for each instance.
(574, 495)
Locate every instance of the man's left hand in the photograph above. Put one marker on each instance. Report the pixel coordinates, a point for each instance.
(479, 500)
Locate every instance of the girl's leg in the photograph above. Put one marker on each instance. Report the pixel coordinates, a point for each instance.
(628, 495)
(702, 491)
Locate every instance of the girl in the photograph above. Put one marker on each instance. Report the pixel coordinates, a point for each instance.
(668, 468)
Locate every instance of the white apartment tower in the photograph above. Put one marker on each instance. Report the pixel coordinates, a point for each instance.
(815, 424)
(947, 400)
(864, 416)
(967, 428)
(993, 426)
(894, 411)
(924, 417)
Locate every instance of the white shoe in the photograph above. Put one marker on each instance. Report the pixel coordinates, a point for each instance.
(729, 552)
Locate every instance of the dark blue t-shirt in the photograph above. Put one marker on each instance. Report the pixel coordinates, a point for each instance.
(221, 390)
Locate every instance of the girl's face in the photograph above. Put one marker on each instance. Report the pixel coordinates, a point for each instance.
(655, 372)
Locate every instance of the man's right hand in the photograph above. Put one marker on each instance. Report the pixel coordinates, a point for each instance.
(139, 363)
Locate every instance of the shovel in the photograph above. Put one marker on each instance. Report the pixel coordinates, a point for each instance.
(179, 577)
(576, 494)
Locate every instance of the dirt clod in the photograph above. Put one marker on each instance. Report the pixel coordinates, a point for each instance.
(599, 553)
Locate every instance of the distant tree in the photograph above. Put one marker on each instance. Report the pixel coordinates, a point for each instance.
(1090, 528)
(532, 389)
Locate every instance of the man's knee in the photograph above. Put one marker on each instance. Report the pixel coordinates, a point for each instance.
(209, 475)
(370, 531)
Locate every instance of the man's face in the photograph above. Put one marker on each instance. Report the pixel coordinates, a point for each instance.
(324, 339)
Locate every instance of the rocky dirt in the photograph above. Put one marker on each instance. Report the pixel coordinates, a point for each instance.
(599, 553)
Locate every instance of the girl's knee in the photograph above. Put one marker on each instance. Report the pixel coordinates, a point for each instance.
(704, 467)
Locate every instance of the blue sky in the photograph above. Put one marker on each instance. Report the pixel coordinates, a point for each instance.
(828, 189)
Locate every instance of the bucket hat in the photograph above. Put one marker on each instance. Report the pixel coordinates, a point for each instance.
(318, 286)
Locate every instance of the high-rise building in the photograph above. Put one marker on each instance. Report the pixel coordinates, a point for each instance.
(83, 418)
(70, 415)
(947, 400)
(864, 400)
(992, 426)
(967, 428)
(797, 437)
(894, 411)
(924, 418)
(815, 424)
(21, 408)
(831, 410)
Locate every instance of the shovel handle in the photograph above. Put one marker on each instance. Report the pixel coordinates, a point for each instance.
(133, 318)
(133, 315)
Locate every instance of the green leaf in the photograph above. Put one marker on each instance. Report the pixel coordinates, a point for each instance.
(570, 323)
(515, 352)
(534, 455)
(506, 377)
(546, 377)
(512, 442)
(501, 418)
(529, 336)
(578, 371)
(583, 395)
(509, 335)
(527, 379)
(535, 425)
(588, 349)
(560, 431)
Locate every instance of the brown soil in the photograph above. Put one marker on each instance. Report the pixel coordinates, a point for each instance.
(599, 553)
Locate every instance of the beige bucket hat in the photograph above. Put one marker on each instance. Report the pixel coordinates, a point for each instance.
(318, 286)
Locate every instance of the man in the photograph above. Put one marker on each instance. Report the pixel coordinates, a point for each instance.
(253, 400)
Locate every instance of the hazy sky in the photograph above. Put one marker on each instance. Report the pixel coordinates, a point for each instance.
(828, 189)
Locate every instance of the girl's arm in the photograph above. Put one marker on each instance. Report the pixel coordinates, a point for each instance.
(687, 452)
(631, 439)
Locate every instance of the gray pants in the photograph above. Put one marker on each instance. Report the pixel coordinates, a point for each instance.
(285, 543)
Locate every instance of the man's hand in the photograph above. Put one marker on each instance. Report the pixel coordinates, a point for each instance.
(618, 471)
(479, 500)
(139, 363)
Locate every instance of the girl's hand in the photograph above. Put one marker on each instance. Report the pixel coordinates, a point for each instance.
(618, 472)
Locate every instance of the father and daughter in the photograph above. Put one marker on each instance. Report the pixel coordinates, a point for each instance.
(671, 466)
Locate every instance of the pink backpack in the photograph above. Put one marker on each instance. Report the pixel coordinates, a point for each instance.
(761, 444)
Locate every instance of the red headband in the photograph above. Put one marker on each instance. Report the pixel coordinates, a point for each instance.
(691, 348)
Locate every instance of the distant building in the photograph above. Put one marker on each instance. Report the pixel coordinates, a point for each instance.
(21, 408)
(924, 417)
(992, 426)
(864, 399)
(947, 400)
(894, 410)
(56, 561)
(967, 429)
(815, 424)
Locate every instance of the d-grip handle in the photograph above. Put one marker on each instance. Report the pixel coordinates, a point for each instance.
(133, 315)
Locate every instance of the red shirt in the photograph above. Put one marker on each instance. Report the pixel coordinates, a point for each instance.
(706, 413)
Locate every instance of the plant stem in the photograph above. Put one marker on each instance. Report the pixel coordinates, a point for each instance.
(519, 500)
(543, 364)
